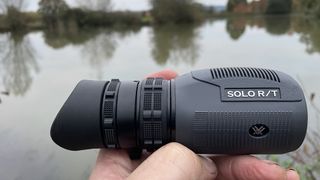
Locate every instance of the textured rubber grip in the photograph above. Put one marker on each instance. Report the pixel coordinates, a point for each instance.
(109, 114)
(222, 130)
(153, 117)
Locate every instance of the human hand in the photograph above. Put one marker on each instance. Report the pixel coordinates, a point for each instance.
(175, 161)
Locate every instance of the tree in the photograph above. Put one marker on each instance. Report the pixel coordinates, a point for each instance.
(52, 8)
(173, 10)
(12, 9)
(311, 7)
(232, 3)
(279, 7)
(6, 5)
(96, 5)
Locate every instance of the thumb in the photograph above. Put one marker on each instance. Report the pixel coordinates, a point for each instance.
(175, 161)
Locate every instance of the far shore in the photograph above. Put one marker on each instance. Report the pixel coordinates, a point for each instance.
(32, 21)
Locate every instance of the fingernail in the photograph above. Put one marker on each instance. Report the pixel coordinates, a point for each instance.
(270, 162)
(209, 165)
(292, 174)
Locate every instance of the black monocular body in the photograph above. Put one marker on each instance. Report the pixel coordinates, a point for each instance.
(211, 111)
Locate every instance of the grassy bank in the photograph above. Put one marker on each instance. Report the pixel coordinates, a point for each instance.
(47, 17)
(35, 21)
(24, 21)
(28, 21)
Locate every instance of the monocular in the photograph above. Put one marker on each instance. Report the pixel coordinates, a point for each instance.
(211, 111)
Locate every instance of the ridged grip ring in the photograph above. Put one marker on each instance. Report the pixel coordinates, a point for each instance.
(109, 114)
(154, 113)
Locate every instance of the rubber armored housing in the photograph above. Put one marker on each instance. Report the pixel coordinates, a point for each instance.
(211, 111)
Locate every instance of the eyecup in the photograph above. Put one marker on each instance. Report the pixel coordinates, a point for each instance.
(78, 123)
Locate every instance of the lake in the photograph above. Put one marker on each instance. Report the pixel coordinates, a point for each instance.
(38, 70)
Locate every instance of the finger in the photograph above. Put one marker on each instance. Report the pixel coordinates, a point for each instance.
(292, 175)
(250, 168)
(144, 156)
(165, 74)
(174, 161)
(112, 164)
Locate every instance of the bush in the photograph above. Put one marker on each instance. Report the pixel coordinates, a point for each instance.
(279, 7)
(311, 7)
(101, 18)
(177, 11)
(15, 19)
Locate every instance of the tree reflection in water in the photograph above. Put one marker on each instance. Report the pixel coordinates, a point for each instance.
(308, 29)
(236, 27)
(99, 50)
(97, 45)
(278, 25)
(175, 43)
(312, 37)
(18, 61)
(274, 25)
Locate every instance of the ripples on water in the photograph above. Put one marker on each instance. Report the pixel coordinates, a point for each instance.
(38, 70)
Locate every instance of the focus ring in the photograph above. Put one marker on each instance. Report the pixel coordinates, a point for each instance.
(153, 118)
(109, 115)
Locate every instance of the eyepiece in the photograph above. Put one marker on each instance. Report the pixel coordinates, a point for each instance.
(78, 123)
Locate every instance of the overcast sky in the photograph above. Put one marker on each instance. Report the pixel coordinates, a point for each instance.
(126, 4)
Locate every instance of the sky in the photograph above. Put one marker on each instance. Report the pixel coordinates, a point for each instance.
(125, 4)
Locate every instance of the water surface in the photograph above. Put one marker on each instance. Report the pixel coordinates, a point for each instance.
(38, 70)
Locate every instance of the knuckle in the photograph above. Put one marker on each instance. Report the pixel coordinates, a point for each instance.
(255, 171)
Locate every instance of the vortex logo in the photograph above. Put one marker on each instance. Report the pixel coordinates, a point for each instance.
(258, 130)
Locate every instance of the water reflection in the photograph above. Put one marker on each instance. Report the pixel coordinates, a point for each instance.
(6, 93)
(274, 25)
(312, 37)
(97, 45)
(308, 29)
(278, 25)
(18, 61)
(61, 37)
(98, 50)
(175, 44)
(236, 27)
(169, 44)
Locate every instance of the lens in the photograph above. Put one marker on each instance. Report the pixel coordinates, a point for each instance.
(221, 111)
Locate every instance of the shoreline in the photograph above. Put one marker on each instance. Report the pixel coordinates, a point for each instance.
(33, 21)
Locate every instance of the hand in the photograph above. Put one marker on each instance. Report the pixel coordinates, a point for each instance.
(177, 162)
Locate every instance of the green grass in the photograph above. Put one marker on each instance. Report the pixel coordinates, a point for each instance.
(307, 171)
